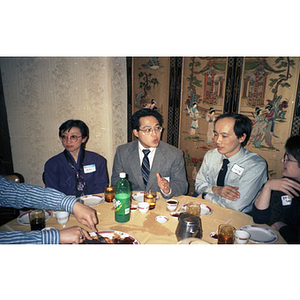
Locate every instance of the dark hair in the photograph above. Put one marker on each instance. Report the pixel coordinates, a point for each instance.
(242, 125)
(292, 146)
(144, 112)
(66, 126)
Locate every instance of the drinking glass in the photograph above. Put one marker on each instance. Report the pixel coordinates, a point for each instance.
(109, 192)
(226, 234)
(150, 197)
(194, 208)
(37, 219)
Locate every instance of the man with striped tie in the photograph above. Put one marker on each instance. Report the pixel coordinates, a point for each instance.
(149, 163)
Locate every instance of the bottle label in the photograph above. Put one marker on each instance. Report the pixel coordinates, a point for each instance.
(122, 204)
(117, 204)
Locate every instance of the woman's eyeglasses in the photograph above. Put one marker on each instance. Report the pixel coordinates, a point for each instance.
(73, 138)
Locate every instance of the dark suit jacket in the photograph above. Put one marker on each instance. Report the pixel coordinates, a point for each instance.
(168, 162)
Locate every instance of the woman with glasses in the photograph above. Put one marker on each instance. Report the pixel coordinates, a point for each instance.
(278, 203)
(76, 171)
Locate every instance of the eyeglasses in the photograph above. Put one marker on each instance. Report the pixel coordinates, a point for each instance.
(286, 158)
(73, 138)
(148, 131)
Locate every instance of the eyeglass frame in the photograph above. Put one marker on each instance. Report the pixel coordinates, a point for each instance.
(286, 158)
(73, 138)
(151, 130)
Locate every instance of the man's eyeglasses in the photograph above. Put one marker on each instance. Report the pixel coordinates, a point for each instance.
(156, 129)
(286, 158)
(73, 138)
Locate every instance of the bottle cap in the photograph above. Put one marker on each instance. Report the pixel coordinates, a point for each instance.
(122, 175)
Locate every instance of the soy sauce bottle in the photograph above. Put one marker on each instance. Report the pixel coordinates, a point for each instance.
(122, 199)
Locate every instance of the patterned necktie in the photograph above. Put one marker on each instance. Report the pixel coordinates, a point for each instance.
(81, 188)
(145, 167)
(222, 173)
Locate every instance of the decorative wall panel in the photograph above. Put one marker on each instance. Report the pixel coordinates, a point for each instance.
(203, 95)
(150, 86)
(268, 93)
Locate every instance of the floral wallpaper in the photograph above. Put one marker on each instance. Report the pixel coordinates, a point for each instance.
(43, 92)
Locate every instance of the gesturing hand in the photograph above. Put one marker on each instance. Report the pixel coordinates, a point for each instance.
(163, 184)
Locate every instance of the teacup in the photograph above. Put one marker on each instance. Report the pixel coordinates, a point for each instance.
(242, 236)
(62, 217)
(143, 207)
(172, 204)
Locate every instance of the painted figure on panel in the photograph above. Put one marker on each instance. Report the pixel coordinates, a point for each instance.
(210, 129)
(258, 72)
(257, 131)
(193, 111)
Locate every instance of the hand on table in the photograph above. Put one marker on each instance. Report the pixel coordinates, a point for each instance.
(163, 184)
(228, 192)
(85, 215)
(73, 235)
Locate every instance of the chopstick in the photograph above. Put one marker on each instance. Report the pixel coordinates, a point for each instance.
(180, 207)
(228, 221)
(8, 227)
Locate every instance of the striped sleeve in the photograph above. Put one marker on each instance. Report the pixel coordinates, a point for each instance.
(19, 195)
(30, 237)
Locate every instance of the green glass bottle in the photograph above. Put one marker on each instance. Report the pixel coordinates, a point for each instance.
(122, 199)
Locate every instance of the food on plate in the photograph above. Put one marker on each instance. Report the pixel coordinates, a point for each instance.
(116, 239)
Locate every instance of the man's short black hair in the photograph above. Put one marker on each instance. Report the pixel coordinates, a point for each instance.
(292, 146)
(144, 112)
(242, 125)
(66, 126)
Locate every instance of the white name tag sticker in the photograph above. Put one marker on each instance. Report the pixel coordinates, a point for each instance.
(286, 200)
(237, 169)
(89, 168)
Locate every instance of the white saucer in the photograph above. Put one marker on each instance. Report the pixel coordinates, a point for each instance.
(161, 219)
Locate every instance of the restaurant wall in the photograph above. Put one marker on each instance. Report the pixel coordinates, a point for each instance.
(41, 93)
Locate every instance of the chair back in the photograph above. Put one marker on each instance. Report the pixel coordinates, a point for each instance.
(16, 177)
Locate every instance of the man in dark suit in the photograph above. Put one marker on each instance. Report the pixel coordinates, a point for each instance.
(165, 164)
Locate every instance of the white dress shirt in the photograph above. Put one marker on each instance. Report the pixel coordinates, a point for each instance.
(246, 170)
(151, 158)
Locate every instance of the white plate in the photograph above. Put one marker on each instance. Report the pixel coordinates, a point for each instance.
(23, 219)
(139, 197)
(161, 219)
(110, 234)
(260, 234)
(92, 200)
(205, 209)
